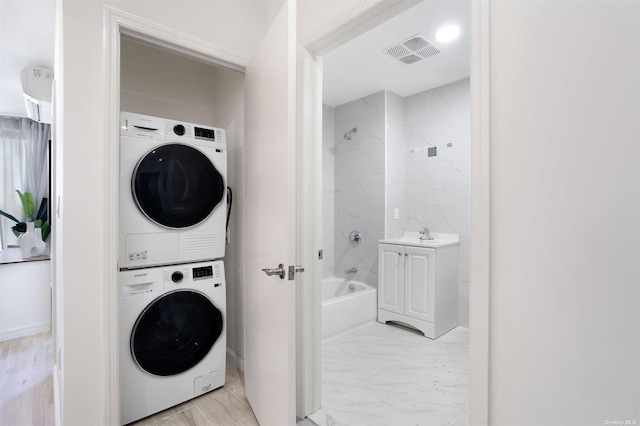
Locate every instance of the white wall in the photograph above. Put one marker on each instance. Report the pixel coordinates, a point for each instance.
(25, 296)
(565, 238)
(188, 90)
(234, 25)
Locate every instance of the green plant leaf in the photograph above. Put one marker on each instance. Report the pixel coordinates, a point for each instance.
(5, 214)
(46, 230)
(28, 204)
(37, 223)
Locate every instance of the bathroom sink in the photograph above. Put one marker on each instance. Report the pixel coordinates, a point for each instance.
(417, 240)
(408, 239)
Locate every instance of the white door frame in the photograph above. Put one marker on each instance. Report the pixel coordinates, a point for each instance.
(364, 15)
(117, 24)
(309, 229)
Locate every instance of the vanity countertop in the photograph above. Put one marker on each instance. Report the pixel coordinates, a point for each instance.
(413, 239)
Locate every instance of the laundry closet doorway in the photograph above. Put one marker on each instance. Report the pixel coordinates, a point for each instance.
(270, 193)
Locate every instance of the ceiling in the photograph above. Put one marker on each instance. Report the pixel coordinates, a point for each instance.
(355, 69)
(361, 67)
(26, 40)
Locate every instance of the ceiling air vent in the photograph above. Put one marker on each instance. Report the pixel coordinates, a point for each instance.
(412, 50)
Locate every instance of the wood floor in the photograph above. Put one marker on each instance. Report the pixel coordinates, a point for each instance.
(26, 381)
(225, 406)
(26, 392)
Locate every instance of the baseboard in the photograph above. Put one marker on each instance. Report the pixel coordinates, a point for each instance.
(17, 333)
(57, 409)
(234, 359)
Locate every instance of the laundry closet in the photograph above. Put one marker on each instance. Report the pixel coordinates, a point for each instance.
(159, 83)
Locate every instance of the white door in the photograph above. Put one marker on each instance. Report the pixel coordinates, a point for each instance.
(391, 275)
(270, 220)
(419, 283)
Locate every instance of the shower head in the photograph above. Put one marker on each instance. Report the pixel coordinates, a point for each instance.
(347, 135)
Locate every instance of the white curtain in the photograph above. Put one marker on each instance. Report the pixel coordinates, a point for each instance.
(24, 165)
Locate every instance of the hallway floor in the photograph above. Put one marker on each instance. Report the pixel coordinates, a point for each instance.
(384, 375)
(26, 381)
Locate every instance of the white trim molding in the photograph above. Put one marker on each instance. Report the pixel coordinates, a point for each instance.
(111, 154)
(157, 35)
(119, 24)
(480, 279)
(234, 359)
(309, 230)
(357, 19)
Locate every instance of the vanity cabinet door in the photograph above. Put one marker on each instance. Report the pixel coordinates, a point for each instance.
(391, 278)
(419, 280)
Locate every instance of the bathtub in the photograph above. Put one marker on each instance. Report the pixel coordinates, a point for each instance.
(346, 304)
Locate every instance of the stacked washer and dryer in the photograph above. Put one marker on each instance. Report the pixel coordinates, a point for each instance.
(172, 283)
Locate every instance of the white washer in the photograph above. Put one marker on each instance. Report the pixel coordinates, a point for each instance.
(172, 192)
(172, 336)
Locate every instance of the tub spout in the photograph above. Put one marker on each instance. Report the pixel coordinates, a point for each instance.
(353, 270)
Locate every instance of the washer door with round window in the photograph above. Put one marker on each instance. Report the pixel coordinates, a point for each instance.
(175, 332)
(176, 186)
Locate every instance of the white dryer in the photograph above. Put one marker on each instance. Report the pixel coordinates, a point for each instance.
(172, 336)
(172, 192)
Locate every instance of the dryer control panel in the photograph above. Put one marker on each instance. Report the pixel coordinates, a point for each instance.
(148, 127)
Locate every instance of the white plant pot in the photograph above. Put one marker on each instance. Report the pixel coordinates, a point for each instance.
(31, 243)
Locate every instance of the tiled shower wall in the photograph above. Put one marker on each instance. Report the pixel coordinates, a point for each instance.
(359, 186)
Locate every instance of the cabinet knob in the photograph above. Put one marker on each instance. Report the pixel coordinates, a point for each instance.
(399, 254)
(406, 254)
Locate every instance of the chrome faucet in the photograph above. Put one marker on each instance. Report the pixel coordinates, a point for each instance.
(425, 235)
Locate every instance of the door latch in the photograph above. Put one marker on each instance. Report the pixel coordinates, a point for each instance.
(279, 271)
(292, 271)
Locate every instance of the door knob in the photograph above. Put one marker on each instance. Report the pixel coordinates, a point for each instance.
(279, 271)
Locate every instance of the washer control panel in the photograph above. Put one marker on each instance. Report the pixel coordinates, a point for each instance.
(202, 272)
(152, 280)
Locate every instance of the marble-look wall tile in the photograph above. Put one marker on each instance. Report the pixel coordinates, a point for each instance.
(384, 168)
(359, 185)
(328, 189)
(395, 172)
(437, 189)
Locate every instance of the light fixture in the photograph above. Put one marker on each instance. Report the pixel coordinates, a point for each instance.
(448, 33)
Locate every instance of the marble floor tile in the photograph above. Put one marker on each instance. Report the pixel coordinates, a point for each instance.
(385, 375)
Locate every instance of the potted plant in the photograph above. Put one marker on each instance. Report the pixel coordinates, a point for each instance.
(39, 219)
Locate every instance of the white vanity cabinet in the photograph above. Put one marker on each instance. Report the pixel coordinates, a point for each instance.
(418, 285)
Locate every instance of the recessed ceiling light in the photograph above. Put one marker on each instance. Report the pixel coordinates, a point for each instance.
(448, 33)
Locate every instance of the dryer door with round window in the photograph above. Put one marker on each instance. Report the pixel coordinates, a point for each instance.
(175, 332)
(177, 186)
